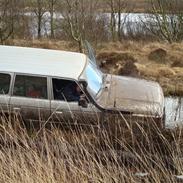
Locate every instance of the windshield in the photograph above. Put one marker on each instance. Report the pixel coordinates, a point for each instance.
(94, 79)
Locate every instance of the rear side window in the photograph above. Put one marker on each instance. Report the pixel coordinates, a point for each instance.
(4, 83)
(30, 86)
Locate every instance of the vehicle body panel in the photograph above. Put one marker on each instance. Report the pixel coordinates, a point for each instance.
(30, 108)
(42, 61)
(131, 94)
(5, 98)
(117, 94)
(71, 113)
(4, 103)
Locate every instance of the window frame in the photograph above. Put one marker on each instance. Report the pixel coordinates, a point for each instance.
(98, 73)
(11, 82)
(31, 75)
(51, 87)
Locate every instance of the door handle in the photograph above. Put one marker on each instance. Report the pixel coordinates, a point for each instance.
(59, 112)
(16, 109)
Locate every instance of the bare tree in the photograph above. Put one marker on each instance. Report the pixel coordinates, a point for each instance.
(112, 20)
(78, 16)
(74, 17)
(9, 17)
(51, 9)
(38, 8)
(117, 7)
(165, 20)
(121, 7)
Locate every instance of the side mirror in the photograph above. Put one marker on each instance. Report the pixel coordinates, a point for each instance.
(83, 102)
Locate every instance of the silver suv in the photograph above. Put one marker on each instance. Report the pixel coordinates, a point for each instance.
(62, 86)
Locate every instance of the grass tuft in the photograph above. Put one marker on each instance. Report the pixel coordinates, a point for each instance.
(122, 152)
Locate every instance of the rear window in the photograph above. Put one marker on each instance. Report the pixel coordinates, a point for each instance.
(4, 83)
(30, 86)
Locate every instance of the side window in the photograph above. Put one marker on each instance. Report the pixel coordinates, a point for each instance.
(4, 83)
(30, 86)
(66, 90)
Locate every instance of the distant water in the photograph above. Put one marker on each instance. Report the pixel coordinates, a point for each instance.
(132, 21)
(174, 111)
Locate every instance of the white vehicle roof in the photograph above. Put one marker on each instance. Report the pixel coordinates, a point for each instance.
(42, 61)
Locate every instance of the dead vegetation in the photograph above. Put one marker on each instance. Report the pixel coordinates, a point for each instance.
(156, 61)
(158, 55)
(44, 43)
(52, 155)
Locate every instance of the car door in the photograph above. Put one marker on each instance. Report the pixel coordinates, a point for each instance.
(65, 109)
(30, 97)
(5, 83)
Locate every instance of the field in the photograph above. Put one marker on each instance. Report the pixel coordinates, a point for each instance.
(156, 61)
(113, 151)
(118, 151)
(49, 154)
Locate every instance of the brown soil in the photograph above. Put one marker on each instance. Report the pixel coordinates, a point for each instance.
(158, 55)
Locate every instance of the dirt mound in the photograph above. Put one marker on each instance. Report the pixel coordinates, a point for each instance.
(166, 72)
(177, 63)
(158, 55)
(128, 69)
(114, 57)
(120, 63)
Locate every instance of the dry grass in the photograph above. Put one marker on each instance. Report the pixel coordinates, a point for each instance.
(44, 43)
(89, 156)
(156, 61)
